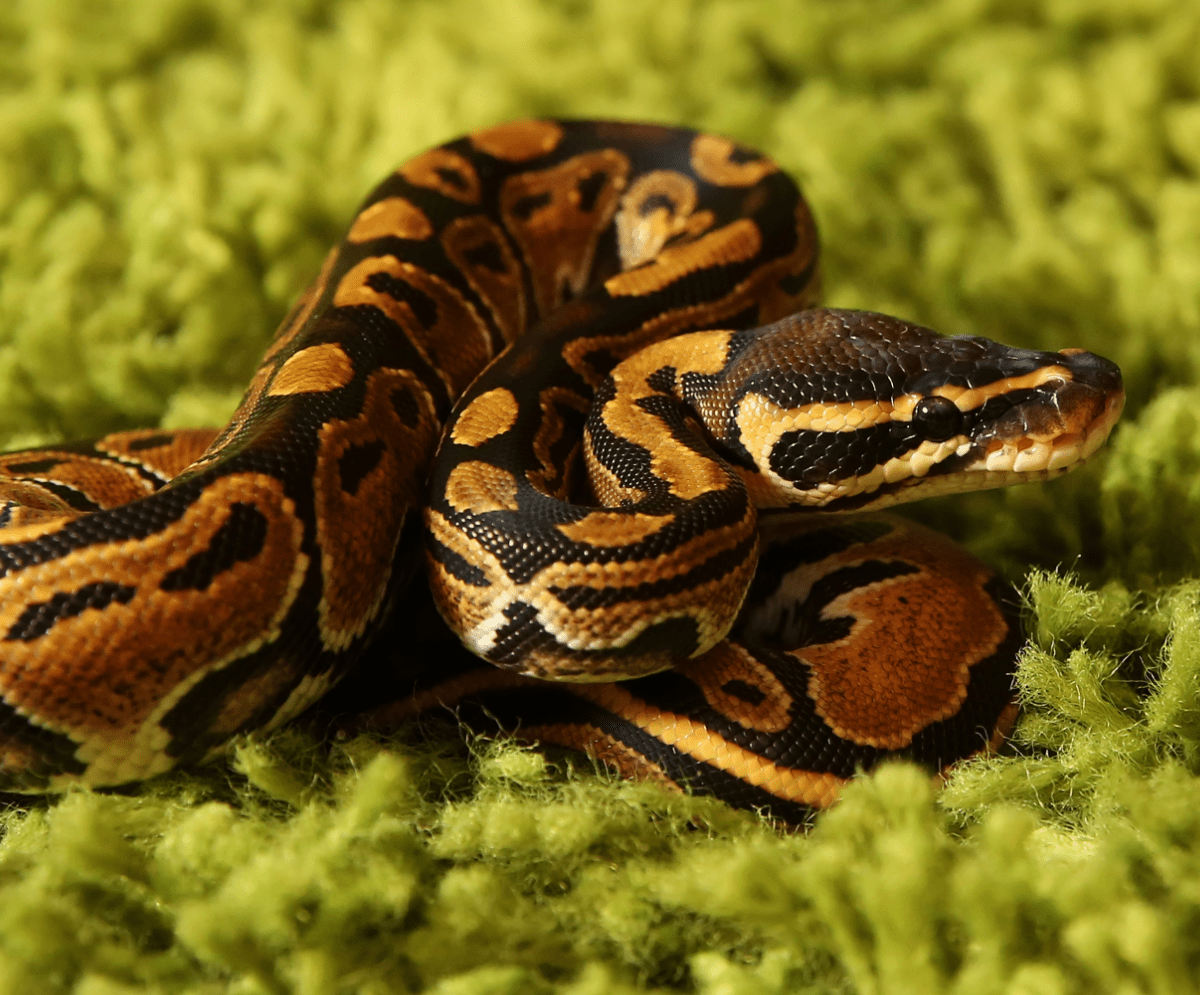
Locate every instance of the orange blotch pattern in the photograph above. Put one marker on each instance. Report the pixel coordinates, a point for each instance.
(369, 475)
(518, 141)
(557, 216)
(456, 343)
(394, 217)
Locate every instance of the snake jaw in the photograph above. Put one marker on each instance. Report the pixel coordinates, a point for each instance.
(1051, 434)
(1058, 454)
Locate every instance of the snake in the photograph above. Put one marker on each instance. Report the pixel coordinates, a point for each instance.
(574, 372)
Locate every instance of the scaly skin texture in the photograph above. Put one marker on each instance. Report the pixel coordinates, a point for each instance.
(162, 592)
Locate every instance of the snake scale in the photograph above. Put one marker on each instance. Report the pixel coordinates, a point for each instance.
(578, 368)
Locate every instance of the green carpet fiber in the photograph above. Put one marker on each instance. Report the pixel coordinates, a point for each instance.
(171, 173)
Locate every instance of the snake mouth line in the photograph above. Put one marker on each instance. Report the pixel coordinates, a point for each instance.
(1020, 460)
(1028, 456)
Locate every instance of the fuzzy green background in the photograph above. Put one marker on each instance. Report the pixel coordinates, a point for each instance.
(172, 171)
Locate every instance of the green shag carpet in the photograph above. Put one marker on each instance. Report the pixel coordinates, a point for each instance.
(172, 172)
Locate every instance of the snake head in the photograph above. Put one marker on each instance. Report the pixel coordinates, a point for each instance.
(848, 410)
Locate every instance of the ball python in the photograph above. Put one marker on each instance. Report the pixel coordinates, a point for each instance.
(569, 365)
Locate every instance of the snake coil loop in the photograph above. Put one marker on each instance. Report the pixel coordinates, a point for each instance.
(161, 592)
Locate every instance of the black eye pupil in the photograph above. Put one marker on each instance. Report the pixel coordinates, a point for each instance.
(936, 418)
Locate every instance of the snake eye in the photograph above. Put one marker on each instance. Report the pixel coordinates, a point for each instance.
(936, 418)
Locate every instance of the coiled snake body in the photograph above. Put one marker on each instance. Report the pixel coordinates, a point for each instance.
(164, 591)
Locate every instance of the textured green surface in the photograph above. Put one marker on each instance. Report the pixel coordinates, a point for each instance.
(171, 172)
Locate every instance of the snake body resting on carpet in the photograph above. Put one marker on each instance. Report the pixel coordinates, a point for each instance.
(164, 591)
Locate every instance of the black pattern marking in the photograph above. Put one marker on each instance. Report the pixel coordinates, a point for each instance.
(808, 459)
(745, 692)
(71, 496)
(525, 207)
(813, 629)
(452, 178)
(55, 752)
(632, 462)
(679, 636)
(406, 407)
(522, 632)
(40, 617)
(521, 561)
(241, 538)
(562, 449)
(135, 521)
(193, 722)
(654, 202)
(151, 442)
(662, 380)
(589, 189)
(794, 283)
(779, 558)
(34, 466)
(523, 635)
(455, 565)
(357, 462)
(714, 568)
(424, 307)
(739, 155)
(486, 255)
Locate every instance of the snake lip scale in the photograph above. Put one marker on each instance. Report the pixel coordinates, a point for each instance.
(577, 370)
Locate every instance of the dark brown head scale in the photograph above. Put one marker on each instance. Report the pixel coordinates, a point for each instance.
(851, 409)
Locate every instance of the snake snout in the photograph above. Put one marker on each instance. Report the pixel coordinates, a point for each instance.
(1091, 401)
(1093, 371)
(1056, 425)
